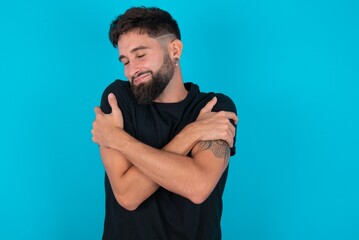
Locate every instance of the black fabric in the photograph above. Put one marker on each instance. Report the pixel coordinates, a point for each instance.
(164, 215)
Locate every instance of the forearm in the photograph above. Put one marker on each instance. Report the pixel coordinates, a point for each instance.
(130, 185)
(183, 142)
(177, 173)
(169, 167)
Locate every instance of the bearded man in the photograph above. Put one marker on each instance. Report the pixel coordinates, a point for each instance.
(165, 145)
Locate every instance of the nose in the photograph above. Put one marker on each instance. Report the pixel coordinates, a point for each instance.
(131, 70)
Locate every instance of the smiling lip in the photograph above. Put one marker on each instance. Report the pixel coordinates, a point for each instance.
(140, 78)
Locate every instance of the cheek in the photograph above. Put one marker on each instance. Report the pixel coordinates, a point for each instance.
(150, 62)
(157, 63)
(127, 72)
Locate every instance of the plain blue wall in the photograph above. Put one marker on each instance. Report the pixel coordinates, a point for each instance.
(290, 66)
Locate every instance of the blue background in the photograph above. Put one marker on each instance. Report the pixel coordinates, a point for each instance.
(290, 66)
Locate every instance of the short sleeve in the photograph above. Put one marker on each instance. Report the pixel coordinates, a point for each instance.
(224, 103)
(121, 91)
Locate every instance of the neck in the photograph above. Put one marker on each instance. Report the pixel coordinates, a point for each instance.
(175, 90)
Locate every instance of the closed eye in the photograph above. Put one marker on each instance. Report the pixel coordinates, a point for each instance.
(124, 60)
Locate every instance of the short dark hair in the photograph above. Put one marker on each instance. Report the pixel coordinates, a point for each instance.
(151, 20)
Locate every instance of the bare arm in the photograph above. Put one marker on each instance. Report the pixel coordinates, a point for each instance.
(130, 185)
(192, 177)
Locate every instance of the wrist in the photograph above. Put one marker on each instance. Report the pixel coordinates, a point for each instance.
(115, 138)
(191, 134)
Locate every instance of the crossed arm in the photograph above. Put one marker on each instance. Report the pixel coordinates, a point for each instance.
(136, 170)
(130, 186)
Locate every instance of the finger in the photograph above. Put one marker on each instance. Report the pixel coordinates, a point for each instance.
(209, 105)
(232, 116)
(230, 143)
(229, 136)
(113, 102)
(228, 140)
(232, 130)
(230, 133)
(98, 111)
(93, 135)
(114, 105)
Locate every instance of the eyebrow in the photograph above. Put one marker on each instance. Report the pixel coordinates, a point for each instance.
(133, 50)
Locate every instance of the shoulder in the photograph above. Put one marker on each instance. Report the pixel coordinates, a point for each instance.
(117, 87)
(224, 103)
(121, 89)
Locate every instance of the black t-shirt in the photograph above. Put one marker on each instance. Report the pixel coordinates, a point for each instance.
(164, 215)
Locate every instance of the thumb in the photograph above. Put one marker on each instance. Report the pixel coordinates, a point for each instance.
(113, 103)
(209, 105)
(98, 111)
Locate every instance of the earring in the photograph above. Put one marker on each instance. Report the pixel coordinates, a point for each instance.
(176, 61)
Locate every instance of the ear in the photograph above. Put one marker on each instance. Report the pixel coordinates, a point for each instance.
(175, 49)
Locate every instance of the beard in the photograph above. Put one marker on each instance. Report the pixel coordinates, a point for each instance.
(145, 93)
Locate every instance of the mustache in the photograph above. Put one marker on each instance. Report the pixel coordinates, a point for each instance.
(139, 74)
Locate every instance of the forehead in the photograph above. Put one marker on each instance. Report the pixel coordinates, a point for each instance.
(132, 40)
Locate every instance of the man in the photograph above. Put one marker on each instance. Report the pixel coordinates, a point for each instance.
(164, 144)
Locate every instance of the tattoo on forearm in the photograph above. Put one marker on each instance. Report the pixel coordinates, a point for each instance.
(219, 148)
